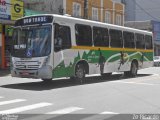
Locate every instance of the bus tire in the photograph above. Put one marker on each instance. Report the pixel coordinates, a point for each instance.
(127, 73)
(47, 80)
(106, 75)
(133, 71)
(80, 72)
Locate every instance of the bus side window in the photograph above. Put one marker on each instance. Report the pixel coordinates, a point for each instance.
(128, 39)
(148, 42)
(62, 37)
(83, 35)
(66, 43)
(100, 37)
(116, 38)
(140, 42)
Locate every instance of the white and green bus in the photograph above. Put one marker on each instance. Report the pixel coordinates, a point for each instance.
(55, 46)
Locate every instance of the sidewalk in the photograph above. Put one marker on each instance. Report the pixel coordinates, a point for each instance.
(4, 72)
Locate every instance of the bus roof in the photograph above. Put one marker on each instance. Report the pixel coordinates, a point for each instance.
(80, 20)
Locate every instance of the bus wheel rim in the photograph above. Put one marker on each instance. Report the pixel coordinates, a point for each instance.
(80, 73)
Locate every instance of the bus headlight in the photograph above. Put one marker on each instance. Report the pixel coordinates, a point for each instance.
(45, 61)
(13, 62)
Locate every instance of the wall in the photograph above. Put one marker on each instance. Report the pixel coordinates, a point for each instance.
(119, 10)
(147, 10)
(0, 44)
(52, 6)
(141, 10)
(95, 4)
(108, 6)
(45, 6)
(69, 6)
(130, 9)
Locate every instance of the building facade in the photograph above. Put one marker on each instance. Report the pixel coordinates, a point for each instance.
(10, 10)
(141, 10)
(99, 10)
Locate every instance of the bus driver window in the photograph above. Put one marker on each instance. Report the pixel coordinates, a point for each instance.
(62, 38)
(57, 38)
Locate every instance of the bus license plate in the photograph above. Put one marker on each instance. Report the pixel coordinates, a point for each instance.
(25, 73)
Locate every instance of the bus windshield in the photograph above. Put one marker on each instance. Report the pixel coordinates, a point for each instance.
(32, 41)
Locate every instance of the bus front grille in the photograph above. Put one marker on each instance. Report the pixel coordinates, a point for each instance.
(26, 67)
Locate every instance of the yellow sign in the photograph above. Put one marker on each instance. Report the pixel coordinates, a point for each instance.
(17, 9)
(0, 28)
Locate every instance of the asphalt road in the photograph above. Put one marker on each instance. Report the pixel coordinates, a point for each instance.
(115, 97)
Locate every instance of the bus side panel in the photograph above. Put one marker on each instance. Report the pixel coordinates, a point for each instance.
(115, 61)
(147, 60)
(64, 65)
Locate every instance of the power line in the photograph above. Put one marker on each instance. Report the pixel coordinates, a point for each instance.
(145, 11)
(158, 8)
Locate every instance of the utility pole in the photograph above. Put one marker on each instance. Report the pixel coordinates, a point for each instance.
(85, 9)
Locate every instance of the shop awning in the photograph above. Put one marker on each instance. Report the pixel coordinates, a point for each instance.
(32, 12)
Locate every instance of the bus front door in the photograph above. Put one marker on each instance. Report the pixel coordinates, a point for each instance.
(58, 64)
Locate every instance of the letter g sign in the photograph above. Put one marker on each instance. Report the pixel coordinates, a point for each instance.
(17, 8)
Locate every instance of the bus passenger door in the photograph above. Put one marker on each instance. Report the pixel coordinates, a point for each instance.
(62, 42)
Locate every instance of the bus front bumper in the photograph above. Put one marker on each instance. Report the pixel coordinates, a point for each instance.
(45, 72)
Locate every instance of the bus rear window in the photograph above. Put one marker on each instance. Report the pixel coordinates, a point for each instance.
(128, 39)
(140, 42)
(148, 42)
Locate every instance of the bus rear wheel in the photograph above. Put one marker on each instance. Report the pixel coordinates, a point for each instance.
(80, 73)
(106, 75)
(133, 71)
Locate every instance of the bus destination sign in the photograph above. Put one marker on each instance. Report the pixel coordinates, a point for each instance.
(34, 20)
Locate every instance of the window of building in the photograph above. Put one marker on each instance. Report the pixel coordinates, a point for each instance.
(116, 38)
(94, 13)
(107, 17)
(62, 37)
(118, 19)
(148, 42)
(140, 42)
(83, 35)
(128, 39)
(76, 9)
(100, 36)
